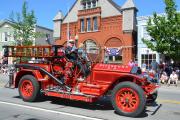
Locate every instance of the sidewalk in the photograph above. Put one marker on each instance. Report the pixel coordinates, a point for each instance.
(3, 80)
(172, 86)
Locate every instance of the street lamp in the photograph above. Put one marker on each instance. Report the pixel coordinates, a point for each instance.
(76, 37)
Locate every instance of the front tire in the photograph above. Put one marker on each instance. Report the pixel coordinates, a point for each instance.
(29, 89)
(128, 99)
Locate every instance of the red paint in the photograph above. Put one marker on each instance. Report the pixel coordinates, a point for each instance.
(127, 100)
(101, 80)
(27, 89)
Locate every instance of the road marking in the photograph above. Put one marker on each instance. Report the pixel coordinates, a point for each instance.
(50, 111)
(169, 101)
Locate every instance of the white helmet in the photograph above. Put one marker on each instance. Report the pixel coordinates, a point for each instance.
(71, 40)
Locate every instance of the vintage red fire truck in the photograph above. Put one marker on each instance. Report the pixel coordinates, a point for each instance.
(48, 71)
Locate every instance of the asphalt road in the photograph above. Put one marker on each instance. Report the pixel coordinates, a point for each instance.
(12, 107)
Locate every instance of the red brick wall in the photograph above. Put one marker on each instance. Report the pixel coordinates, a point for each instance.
(110, 34)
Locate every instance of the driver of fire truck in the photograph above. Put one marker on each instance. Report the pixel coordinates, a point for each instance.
(72, 54)
(71, 50)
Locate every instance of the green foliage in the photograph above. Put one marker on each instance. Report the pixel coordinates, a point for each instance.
(165, 32)
(24, 25)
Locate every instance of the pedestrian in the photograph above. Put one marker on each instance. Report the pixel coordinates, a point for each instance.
(143, 66)
(131, 63)
(106, 58)
(164, 78)
(173, 78)
(154, 65)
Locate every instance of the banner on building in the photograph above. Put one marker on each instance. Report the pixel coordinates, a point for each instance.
(113, 51)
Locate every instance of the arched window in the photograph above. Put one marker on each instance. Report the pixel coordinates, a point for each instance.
(92, 50)
(91, 47)
(113, 51)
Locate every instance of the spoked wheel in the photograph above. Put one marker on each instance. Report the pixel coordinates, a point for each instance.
(128, 99)
(29, 88)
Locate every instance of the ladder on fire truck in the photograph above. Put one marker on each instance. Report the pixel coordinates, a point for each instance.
(28, 51)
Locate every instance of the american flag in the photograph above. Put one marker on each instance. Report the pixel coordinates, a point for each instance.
(113, 51)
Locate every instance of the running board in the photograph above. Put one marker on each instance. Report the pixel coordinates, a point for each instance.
(71, 95)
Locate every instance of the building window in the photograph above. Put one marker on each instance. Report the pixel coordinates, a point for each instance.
(84, 6)
(146, 33)
(147, 59)
(91, 47)
(48, 38)
(82, 25)
(92, 50)
(5, 36)
(88, 24)
(94, 4)
(115, 59)
(95, 24)
(89, 5)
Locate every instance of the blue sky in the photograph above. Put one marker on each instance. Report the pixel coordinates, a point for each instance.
(45, 10)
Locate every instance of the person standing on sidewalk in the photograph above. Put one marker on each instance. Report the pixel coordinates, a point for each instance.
(173, 78)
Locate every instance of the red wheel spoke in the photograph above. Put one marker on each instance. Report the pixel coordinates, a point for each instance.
(27, 88)
(127, 99)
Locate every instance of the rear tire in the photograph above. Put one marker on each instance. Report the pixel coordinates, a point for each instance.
(29, 89)
(128, 99)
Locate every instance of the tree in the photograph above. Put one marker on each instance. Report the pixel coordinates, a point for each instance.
(165, 32)
(24, 26)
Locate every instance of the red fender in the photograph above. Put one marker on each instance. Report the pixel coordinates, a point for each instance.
(23, 72)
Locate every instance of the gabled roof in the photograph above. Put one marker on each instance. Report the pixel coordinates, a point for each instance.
(44, 28)
(5, 22)
(11, 22)
(70, 9)
(115, 5)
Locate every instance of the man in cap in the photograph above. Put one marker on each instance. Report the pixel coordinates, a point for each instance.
(71, 50)
(72, 54)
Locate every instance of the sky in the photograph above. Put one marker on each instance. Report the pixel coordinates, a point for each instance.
(45, 10)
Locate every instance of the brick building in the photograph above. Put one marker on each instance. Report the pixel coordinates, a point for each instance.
(102, 26)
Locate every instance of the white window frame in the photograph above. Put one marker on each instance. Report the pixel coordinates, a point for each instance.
(5, 36)
(114, 60)
(91, 46)
(87, 7)
(94, 24)
(84, 6)
(82, 25)
(88, 24)
(145, 58)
